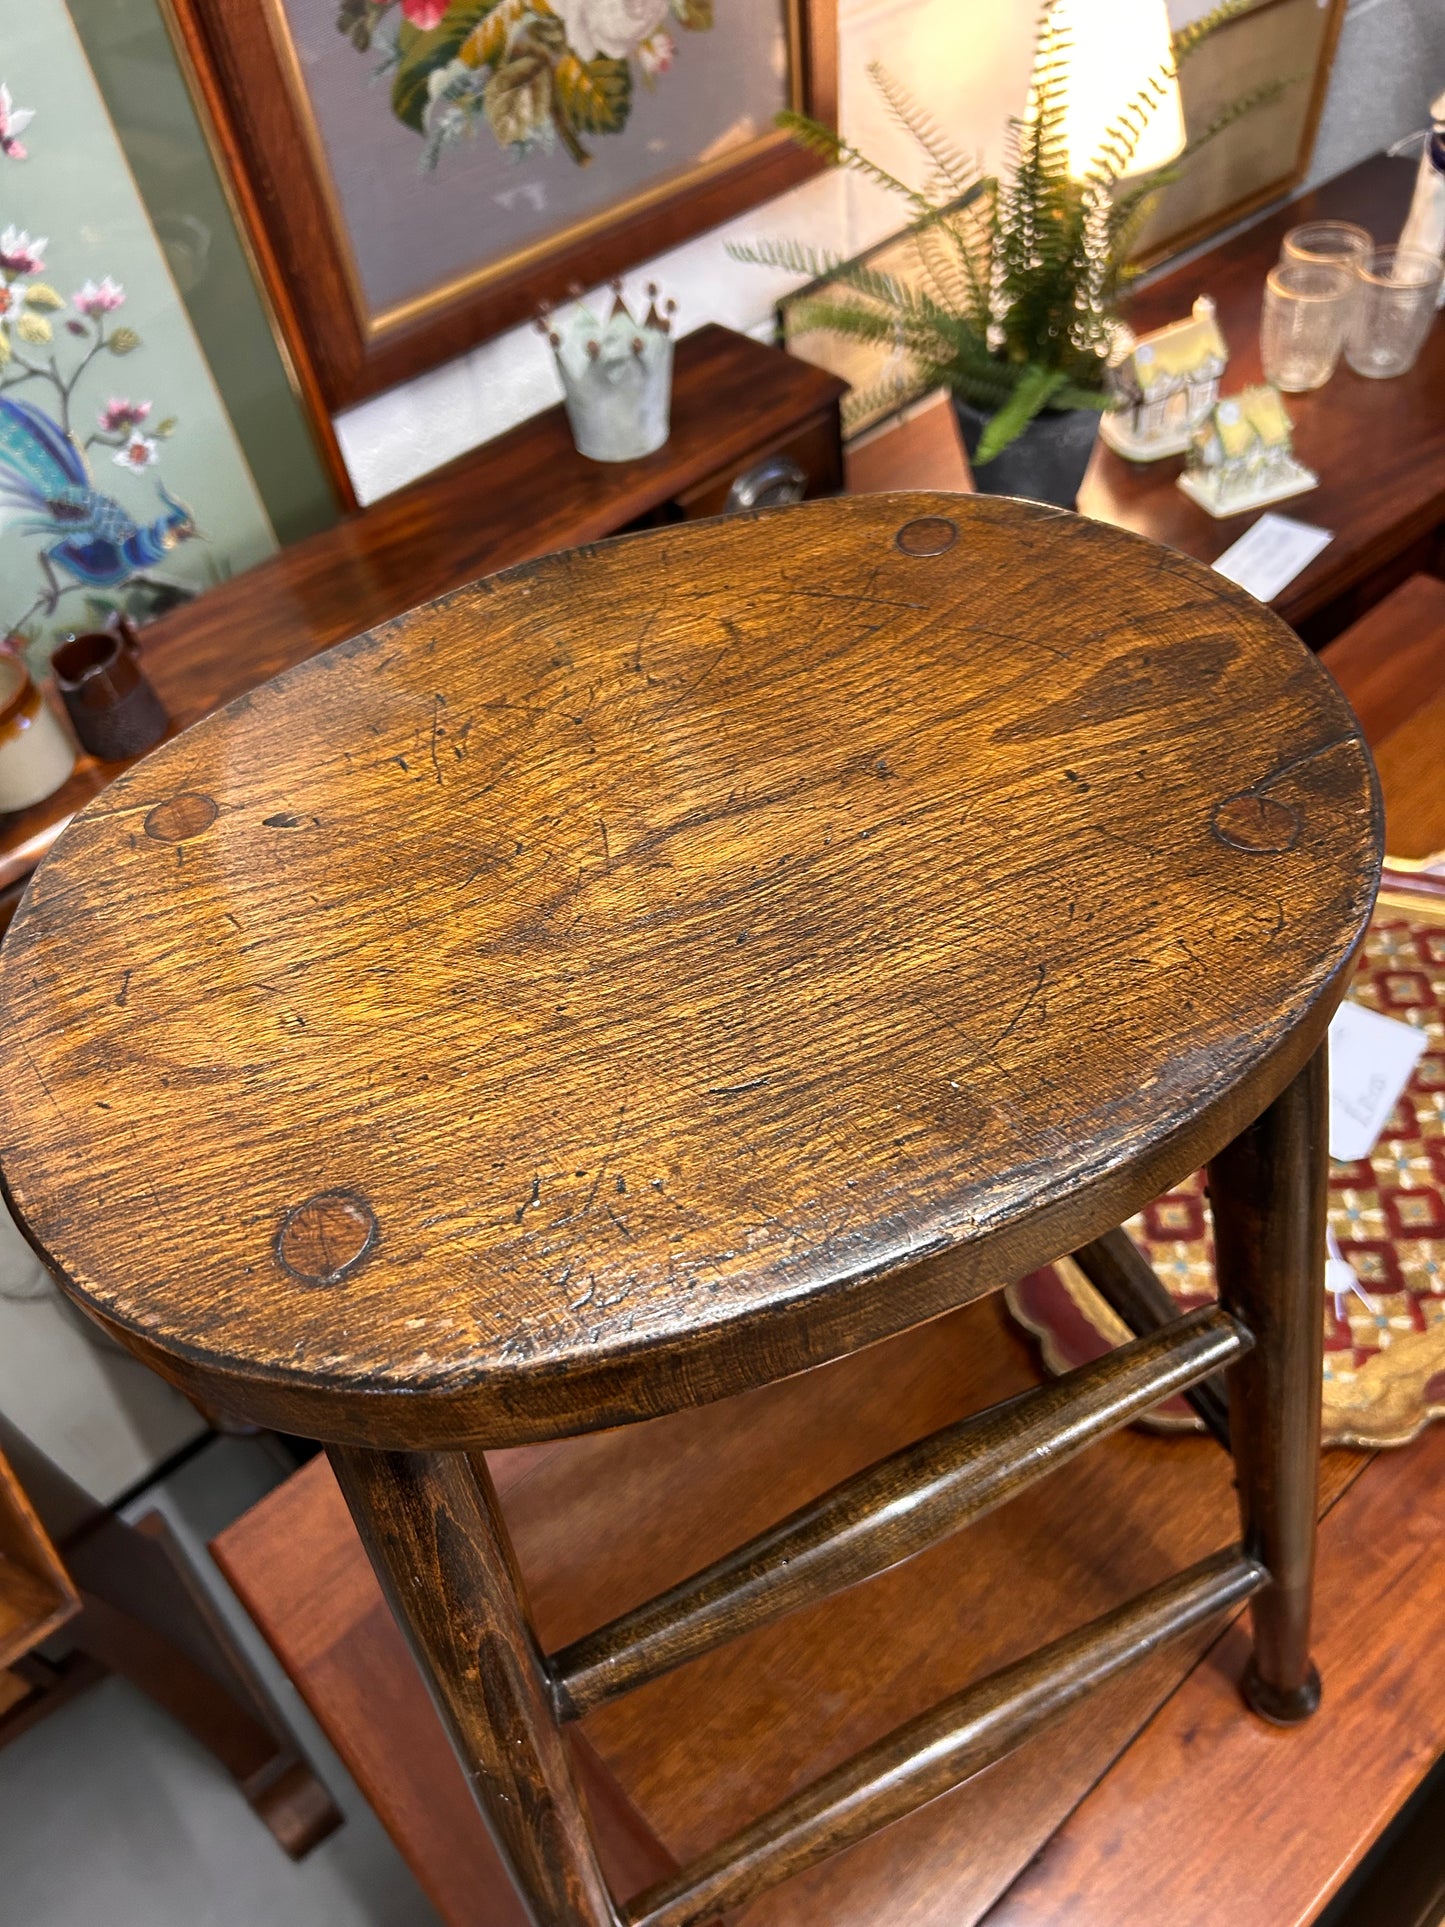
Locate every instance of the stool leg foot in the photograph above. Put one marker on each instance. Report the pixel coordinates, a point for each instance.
(436, 1536)
(1267, 1192)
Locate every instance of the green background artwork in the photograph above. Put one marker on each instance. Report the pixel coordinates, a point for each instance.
(144, 399)
(140, 77)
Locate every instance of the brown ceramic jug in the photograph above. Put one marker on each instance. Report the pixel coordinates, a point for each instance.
(115, 711)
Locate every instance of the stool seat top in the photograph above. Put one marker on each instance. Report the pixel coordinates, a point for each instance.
(661, 967)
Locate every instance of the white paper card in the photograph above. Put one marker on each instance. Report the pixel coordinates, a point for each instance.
(1269, 556)
(1371, 1058)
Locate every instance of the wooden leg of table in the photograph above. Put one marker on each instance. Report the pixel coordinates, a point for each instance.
(435, 1533)
(1267, 1192)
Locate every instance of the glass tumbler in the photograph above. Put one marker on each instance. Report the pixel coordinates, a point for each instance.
(1302, 327)
(1394, 304)
(1327, 244)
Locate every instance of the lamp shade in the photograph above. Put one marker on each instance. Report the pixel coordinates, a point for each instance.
(1112, 51)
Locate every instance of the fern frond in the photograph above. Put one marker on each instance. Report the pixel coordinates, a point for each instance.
(955, 170)
(1012, 304)
(1123, 135)
(1188, 39)
(793, 257)
(1029, 398)
(1262, 96)
(844, 318)
(832, 147)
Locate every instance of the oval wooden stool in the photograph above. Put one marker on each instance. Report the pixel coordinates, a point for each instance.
(665, 967)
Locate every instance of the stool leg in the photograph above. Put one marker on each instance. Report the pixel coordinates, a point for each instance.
(436, 1536)
(1267, 1191)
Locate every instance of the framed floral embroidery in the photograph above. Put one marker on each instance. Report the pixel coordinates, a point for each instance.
(420, 174)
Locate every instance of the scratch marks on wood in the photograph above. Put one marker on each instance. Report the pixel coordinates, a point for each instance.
(531, 1202)
(543, 979)
(438, 730)
(39, 1074)
(601, 1172)
(1031, 997)
(1260, 824)
(814, 593)
(691, 689)
(737, 1090)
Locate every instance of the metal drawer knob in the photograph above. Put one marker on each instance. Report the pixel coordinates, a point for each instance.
(767, 484)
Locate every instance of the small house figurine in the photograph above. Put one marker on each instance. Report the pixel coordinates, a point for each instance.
(1241, 456)
(1162, 385)
(616, 376)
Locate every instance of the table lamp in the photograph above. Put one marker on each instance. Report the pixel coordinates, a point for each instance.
(1116, 52)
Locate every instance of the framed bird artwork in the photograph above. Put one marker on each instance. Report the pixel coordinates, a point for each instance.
(145, 450)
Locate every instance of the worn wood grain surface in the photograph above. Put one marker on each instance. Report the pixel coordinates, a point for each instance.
(519, 496)
(601, 1522)
(513, 1004)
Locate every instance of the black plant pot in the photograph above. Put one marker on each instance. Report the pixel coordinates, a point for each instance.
(1044, 464)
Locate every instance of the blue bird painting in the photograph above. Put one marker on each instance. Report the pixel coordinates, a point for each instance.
(47, 489)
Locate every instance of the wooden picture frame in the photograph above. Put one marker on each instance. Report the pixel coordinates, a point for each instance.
(1266, 154)
(246, 66)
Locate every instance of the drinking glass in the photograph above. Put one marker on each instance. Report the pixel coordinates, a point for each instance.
(1302, 327)
(1393, 307)
(1327, 244)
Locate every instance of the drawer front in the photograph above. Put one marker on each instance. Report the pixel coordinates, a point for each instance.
(810, 459)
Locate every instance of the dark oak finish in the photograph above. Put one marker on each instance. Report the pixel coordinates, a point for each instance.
(1286, 1814)
(687, 760)
(299, 1568)
(525, 493)
(1130, 1286)
(690, 776)
(1267, 1196)
(890, 1512)
(248, 76)
(934, 1753)
(1185, 1788)
(435, 1533)
(1377, 446)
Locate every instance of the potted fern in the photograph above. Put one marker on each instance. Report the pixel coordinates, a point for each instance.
(1015, 306)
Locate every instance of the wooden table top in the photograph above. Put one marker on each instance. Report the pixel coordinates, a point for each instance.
(1377, 446)
(518, 496)
(703, 927)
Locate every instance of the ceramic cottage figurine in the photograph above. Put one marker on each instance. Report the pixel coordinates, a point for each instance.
(616, 376)
(1163, 384)
(1241, 456)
